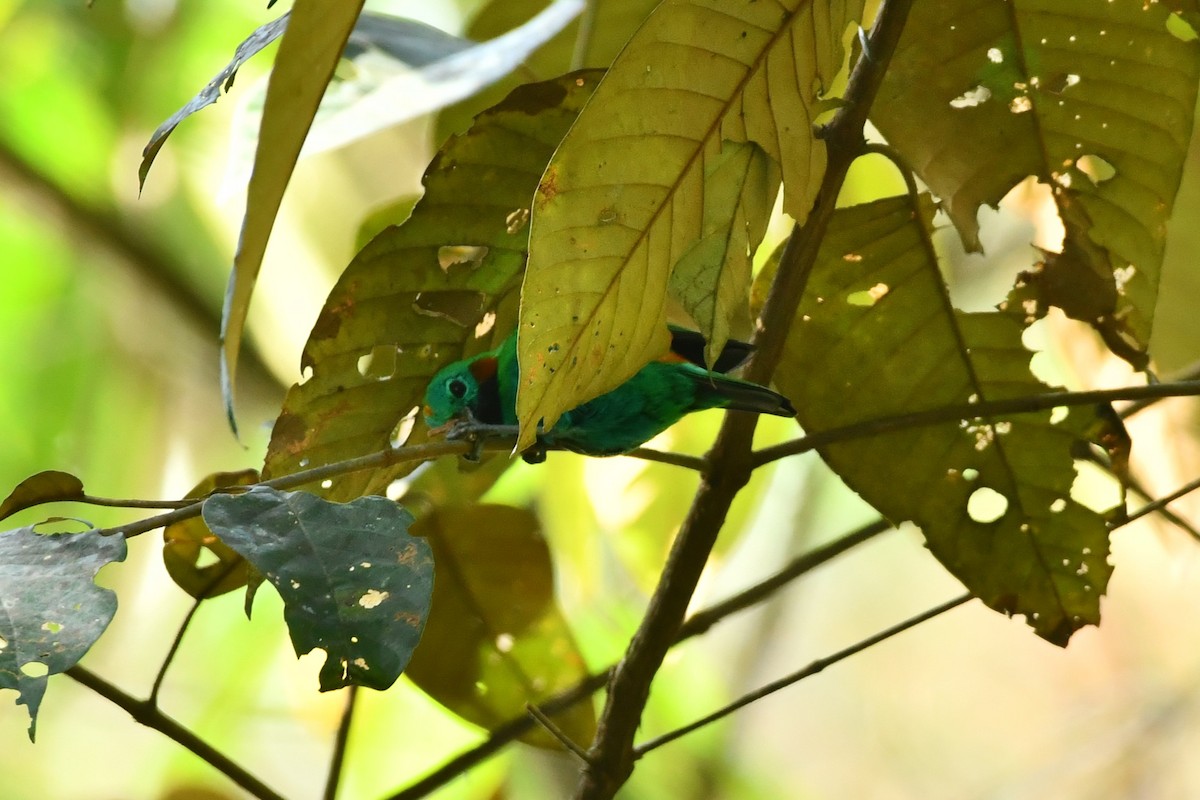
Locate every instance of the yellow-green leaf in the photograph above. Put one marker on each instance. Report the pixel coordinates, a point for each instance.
(310, 48)
(495, 639)
(876, 336)
(624, 198)
(184, 542)
(45, 487)
(439, 287)
(1094, 98)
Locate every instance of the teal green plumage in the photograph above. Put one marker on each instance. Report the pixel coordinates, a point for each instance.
(654, 399)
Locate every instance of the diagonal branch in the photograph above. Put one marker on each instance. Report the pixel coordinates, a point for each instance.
(147, 714)
(611, 756)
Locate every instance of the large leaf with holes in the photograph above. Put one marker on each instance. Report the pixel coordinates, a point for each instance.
(353, 581)
(1093, 97)
(51, 611)
(876, 336)
(414, 298)
(310, 49)
(496, 639)
(625, 197)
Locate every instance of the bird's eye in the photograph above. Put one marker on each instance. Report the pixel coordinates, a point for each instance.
(457, 387)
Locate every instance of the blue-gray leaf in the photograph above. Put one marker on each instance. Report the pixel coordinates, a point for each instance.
(353, 581)
(51, 611)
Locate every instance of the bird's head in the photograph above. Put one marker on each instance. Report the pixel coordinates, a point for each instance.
(453, 394)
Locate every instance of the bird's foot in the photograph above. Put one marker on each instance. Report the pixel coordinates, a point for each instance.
(477, 433)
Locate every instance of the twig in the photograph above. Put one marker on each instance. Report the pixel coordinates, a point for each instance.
(115, 502)
(984, 408)
(1188, 373)
(808, 671)
(339, 746)
(701, 621)
(541, 718)
(1160, 504)
(611, 754)
(146, 714)
(583, 36)
(183, 626)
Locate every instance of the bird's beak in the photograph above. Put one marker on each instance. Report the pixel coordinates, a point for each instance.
(440, 430)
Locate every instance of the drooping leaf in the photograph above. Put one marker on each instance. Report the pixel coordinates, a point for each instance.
(381, 98)
(256, 41)
(441, 286)
(612, 23)
(51, 611)
(1094, 98)
(876, 336)
(353, 581)
(378, 90)
(44, 487)
(185, 541)
(311, 46)
(623, 199)
(495, 639)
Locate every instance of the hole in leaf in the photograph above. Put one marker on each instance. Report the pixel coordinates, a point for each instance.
(3, 643)
(1095, 488)
(35, 669)
(52, 627)
(516, 220)
(1058, 506)
(970, 474)
(451, 254)
(460, 307)
(1180, 28)
(986, 505)
(372, 598)
(1059, 414)
(868, 297)
(485, 325)
(505, 642)
(972, 97)
(1096, 168)
(379, 364)
(1020, 104)
(403, 428)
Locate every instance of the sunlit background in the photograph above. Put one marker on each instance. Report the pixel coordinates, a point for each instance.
(109, 310)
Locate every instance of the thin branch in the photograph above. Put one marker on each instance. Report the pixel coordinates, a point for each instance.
(116, 502)
(339, 746)
(1167, 514)
(611, 755)
(699, 623)
(1161, 503)
(1188, 373)
(808, 671)
(967, 411)
(212, 584)
(560, 736)
(146, 714)
(499, 738)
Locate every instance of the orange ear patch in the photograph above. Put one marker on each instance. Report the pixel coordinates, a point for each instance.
(484, 369)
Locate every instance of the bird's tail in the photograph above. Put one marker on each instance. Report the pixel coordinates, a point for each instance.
(724, 392)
